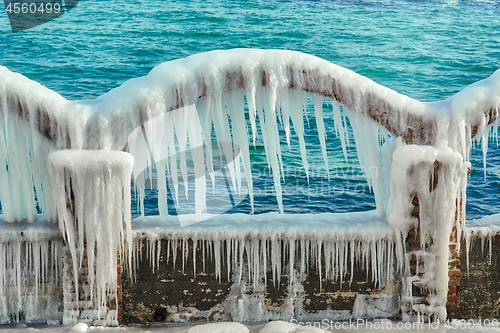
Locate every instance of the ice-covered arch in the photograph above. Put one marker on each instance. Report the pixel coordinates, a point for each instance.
(273, 82)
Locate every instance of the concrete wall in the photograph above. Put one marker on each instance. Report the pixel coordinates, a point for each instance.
(479, 290)
(174, 294)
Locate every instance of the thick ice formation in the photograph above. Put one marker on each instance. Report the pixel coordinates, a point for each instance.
(92, 197)
(437, 176)
(208, 94)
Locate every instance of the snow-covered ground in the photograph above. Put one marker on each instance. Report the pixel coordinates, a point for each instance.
(360, 325)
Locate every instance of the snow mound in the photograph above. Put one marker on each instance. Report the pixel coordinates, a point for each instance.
(219, 328)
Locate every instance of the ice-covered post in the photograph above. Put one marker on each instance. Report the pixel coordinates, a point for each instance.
(91, 192)
(437, 176)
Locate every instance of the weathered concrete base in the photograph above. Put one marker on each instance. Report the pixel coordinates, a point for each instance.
(479, 289)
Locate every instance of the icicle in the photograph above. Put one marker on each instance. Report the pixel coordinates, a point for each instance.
(339, 126)
(158, 251)
(352, 261)
(318, 108)
(235, 263)
(183, 249)
(181, 131)
(203, 246)
(174, 244)
(223, 134)
(319, 263)
(228, 258)
(328, 259)
(490, 247)
(241, 247)
(484, 148)
(273, 260)
(195, 245)
(297, 116)
(217, 257)
(265, 251)
(240, 135)
(291, 263)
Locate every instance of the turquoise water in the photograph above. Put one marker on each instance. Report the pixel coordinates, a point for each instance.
(425, 49)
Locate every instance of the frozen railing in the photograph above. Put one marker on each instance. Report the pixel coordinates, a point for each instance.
(185, 103)
(36, 120)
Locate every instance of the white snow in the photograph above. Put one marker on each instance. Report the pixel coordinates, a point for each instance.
(278, 327)
(285, 327)
(80, 327)
(219, 328)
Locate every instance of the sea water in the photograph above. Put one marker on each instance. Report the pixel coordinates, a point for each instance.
(425, 49)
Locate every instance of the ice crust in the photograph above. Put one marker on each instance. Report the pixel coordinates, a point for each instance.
(203, 98)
